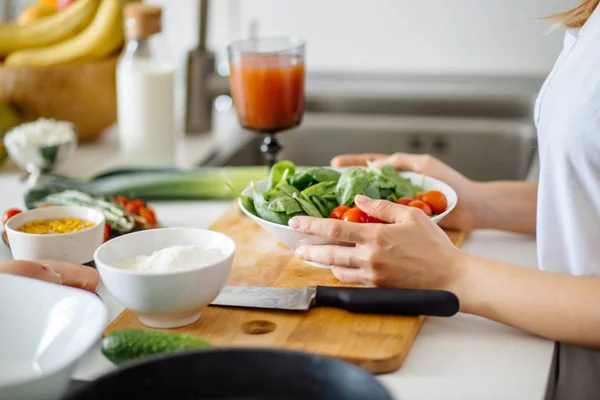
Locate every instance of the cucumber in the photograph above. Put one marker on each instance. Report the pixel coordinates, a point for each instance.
(127, 345)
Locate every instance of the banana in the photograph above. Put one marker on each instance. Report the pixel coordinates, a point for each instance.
(47, 31)
(102, 37)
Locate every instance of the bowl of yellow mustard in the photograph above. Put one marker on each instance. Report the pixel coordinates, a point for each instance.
(67, 233)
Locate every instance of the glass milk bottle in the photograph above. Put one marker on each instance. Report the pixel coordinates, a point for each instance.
(145, 91)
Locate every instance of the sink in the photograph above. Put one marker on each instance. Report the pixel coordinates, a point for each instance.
(481, 148)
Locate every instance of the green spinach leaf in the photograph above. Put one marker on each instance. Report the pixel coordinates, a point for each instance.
(355, 181)
(262, 208)
(308, 176)
(280, 171)
(324, 206)
(285, 204)
(308, 207)
(321, 189)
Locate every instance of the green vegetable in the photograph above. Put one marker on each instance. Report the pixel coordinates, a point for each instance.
(321, 189)
(316, 191)
(308, 176)
(280, 171)
(308, 207)
(170, 184)
(324, 205)
(262, 208)
(247, 201)
(285, 204)
(355, 181)
(127, 345)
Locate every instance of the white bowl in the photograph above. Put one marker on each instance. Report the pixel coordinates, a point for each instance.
(46, 329)
(76, 247)
(164, 300)
(293, 239)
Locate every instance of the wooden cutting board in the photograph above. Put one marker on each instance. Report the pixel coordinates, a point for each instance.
(376, 342)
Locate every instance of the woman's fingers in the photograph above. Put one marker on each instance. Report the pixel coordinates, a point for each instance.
(332, 255)
(31, 269)
(75, 275)
(400, 161)
(404, 162)
(385, 210)
(351, 275)
(332, 228)
(349, 160)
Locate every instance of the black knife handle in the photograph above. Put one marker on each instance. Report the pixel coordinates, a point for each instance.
(438, 303)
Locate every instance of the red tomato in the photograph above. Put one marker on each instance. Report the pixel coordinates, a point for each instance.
(11, 212)
(355, 215)
(419, 196)
(107, 231)
(422, 205)
(436, 200)
(338, 212)
(404, 201)
(121, 200)
(134, 206)
(148, 214)
(373, 220)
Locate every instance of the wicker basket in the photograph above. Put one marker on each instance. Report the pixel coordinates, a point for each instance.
(83, 93)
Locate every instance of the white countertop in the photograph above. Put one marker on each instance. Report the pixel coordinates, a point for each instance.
(463, 357)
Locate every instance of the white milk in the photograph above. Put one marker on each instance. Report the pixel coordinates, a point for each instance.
(146, 121)
(145, 91)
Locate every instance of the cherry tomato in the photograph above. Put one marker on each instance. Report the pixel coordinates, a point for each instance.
(373, 220)
(355, 215)
(148, 214)
(122, 200)
(419, 196)
(338, 212)
(404, 201)
(422, 205)
(107, 231)
(134, 206)
(436, 200)
(11, 212)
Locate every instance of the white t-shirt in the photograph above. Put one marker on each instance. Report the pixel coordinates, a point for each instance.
(567, 116)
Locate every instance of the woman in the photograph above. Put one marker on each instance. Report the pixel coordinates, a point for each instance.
(561, 301)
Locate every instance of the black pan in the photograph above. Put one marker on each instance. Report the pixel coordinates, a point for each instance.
(240, 374)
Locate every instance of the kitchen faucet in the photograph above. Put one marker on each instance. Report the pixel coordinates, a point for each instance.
(204, 84)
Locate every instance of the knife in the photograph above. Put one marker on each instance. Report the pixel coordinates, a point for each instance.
(411, 302)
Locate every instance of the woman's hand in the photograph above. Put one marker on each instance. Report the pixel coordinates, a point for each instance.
(59, 272)
(411, 252)
(466, 214)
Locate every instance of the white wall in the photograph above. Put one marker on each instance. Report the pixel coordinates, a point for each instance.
(427, 36)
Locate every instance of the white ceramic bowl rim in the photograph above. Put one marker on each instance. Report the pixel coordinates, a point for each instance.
(447, 188)
(129, 236)
(47, 213)
(75, 357)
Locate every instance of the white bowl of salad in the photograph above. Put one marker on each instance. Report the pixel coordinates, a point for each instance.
(325, 192)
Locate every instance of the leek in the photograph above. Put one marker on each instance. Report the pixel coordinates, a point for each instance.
(217, 183)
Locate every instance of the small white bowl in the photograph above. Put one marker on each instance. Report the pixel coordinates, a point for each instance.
(46, 329)
(164, 300)
(294, 239)
(76, 247)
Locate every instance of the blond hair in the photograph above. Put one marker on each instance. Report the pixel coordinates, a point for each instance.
(577, 16)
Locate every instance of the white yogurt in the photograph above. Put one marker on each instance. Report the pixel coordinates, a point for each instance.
(172, 259)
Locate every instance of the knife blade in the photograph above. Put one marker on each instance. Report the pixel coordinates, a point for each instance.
(411, 302)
